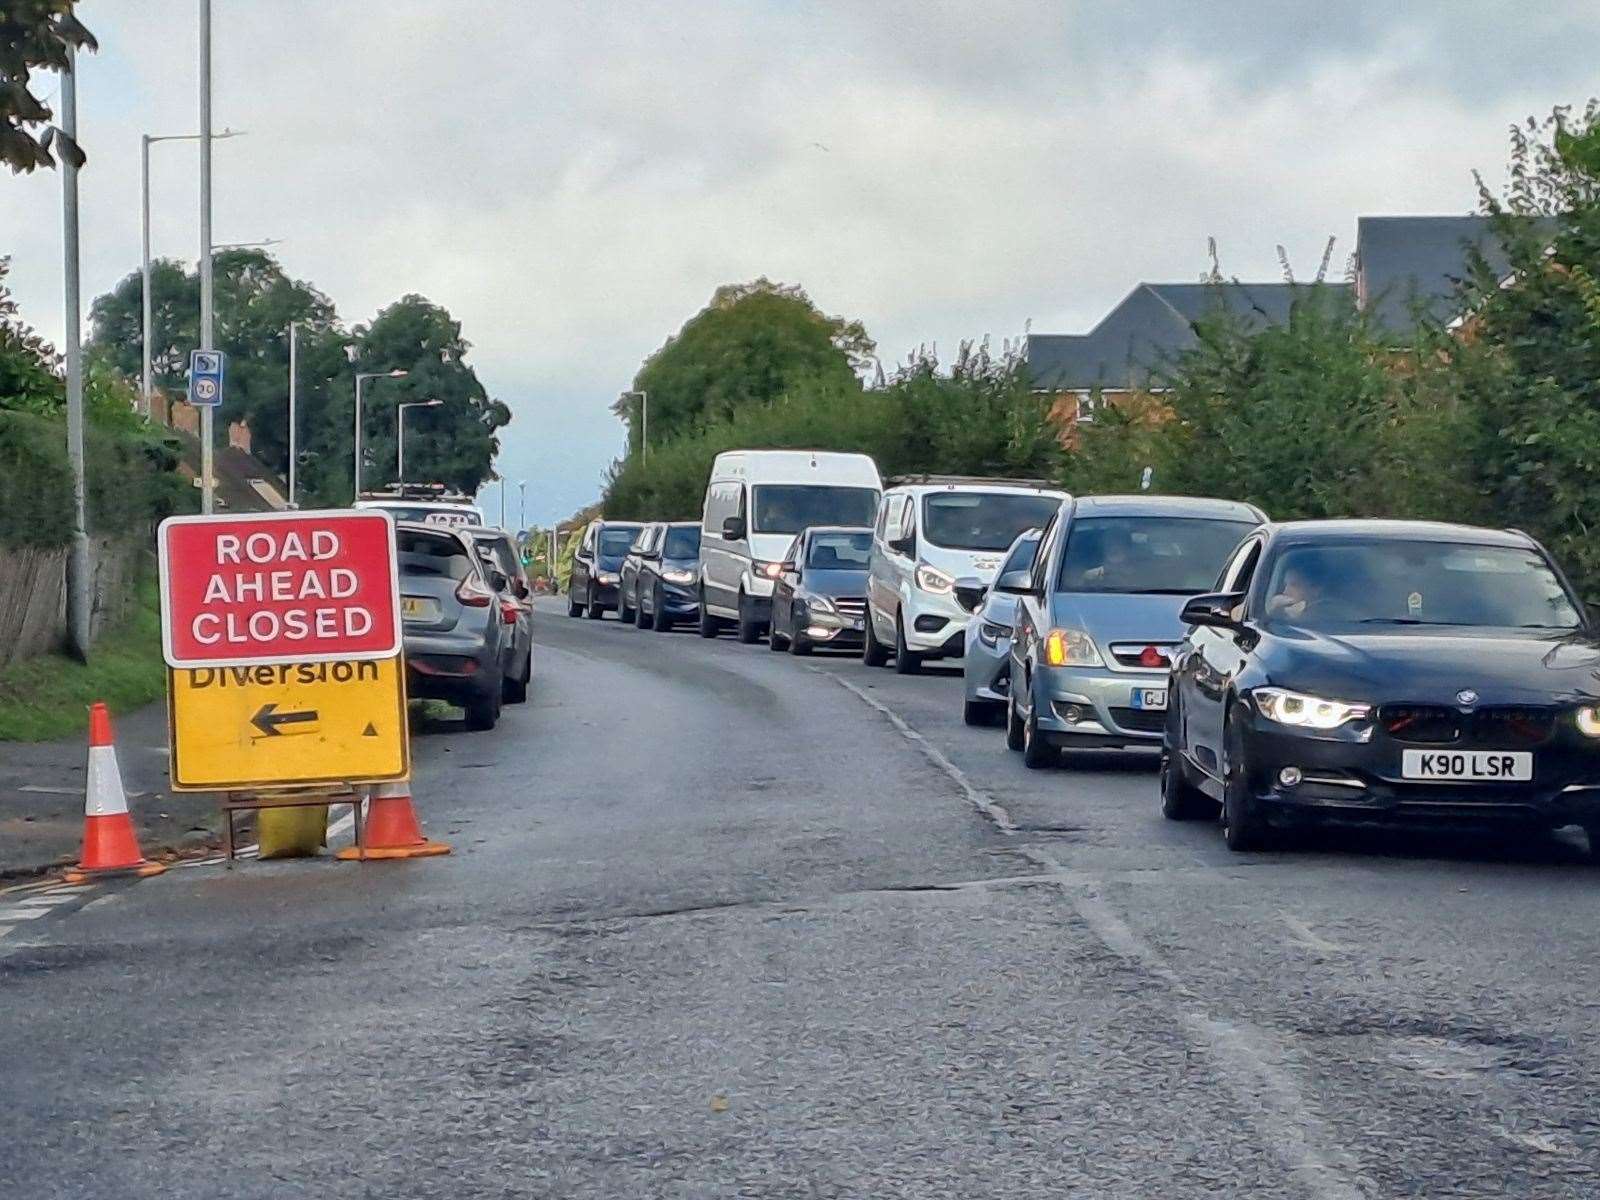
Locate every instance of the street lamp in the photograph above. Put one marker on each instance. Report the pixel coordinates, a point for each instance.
(145, 142)
(522, 504)
(362, 377)
(644, 422)
(400, 435)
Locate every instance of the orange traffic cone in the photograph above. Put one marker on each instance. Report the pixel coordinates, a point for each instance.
(391, 829)
(109, 843)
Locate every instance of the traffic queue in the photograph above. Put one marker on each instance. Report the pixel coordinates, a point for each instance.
(1288, 675)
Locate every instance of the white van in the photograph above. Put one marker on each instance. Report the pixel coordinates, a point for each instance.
(756, 502)
(930, 533)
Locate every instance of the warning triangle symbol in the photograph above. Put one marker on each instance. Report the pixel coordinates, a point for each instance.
(369, 731)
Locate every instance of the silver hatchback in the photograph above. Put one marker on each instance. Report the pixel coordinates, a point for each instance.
(1098, 617)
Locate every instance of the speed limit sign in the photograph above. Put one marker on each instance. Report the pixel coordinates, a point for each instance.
(206, 369)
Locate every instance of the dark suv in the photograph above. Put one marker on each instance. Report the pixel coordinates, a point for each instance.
(597, 566)
(459, 630)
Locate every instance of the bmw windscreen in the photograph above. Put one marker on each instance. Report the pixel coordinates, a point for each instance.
(982, 520)
(791, 507)
(839, 551)
(1417, 583)
(1147, 554)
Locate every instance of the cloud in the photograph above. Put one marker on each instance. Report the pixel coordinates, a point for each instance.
(574, 180)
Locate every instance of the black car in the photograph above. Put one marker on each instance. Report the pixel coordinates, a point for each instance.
(667, 574)
(628, 574)
(820, 598)
(1385, 672)
(459, 629)
(597, 567)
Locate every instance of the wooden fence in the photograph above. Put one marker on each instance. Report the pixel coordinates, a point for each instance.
(33, 593)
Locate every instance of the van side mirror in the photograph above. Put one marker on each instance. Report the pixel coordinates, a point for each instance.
(906, 545)
(1015, 583)
(498, 581)
(1212, 609)
(970, 591)
(733, 529)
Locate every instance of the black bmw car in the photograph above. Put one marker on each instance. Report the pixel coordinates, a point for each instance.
(1385, 672)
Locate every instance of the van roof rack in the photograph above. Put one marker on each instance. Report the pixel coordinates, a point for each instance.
(902, 480)
(417, 491)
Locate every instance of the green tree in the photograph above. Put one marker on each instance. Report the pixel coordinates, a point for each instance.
(751, 344)
(28, 380)
(34, 34)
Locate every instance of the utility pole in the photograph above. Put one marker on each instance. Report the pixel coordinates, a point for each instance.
(644, 423)
(207, 339)
(293, 381)
(79, 573)
(362, 377)
(522, 505)
(502, 502)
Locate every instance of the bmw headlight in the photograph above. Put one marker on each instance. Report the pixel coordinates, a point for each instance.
(1588, 719)
(990, 633)
(1300, 711)
(931, 579)
(1071, 648)
(677, 575)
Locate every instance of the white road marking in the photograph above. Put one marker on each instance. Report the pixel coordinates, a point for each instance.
(1303, 935)
(1246, 1059)
(26, 914)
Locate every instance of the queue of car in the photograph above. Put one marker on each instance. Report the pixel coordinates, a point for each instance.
(1303, 673)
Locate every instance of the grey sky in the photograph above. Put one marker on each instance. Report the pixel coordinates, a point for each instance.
(574, 179)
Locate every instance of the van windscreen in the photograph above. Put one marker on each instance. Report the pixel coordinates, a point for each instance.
(791, 507)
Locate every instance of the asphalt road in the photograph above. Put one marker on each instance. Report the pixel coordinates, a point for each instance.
(724, 923)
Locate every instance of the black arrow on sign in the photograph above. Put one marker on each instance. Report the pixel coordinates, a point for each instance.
(269, 719)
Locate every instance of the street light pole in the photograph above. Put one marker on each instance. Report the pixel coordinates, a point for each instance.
(293, 380)
(362, 377)
(644, 423)
(502, 502)
(522, 505)
(400, 436)
(78, 571)
(208, 413)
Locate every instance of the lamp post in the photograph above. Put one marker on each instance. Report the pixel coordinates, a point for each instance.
(400, 436)
(146, 140)
(208, 483)
(644, 422)
(522, 505)
(362, 377)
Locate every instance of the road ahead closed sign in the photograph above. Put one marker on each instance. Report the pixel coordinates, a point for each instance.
(298, 587)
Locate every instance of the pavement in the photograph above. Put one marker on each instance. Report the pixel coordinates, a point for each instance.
(41, 797)
(725, 923)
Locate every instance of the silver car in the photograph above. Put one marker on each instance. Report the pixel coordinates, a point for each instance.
(1097, 617)
(986, 663)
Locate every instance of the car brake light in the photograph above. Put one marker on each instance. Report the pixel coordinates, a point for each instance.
(1151, 657)
(473, 593)
(508, 612)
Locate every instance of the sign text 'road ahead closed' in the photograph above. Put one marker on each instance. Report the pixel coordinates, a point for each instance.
(278, 588)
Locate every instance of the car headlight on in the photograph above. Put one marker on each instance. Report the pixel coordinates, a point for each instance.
(1300, 711)
(1588, 719)
(677, 575)
(1071, 648)
(768, 570)
(931, 579)
(990, 633)
(607, 577)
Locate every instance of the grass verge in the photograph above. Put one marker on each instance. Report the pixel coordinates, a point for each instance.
(45, 698)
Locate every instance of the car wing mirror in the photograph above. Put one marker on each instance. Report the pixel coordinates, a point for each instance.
(1015, 583)
(521, 588)
(970, 592)
(733, 529)
(498, 581)
(1212, 609)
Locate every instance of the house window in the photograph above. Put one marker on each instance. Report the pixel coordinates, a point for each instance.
(1088, 403)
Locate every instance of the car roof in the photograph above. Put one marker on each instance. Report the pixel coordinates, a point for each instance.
(682, 524)
(446, 531)
(1371, 529)
(837, 529)
(1147, 505)
(1002, 487)
(604, 524)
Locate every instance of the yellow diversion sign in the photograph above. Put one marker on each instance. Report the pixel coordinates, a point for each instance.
(286, 724)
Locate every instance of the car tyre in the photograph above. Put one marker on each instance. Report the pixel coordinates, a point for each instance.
(749, 625)
(1037, 753)
(514, 689)
(483, 712)
(574, 609)
(906, 662)
(626, 613)
(1180, 799)
(979, 712)
(1014, 735)
(596, 610)
(1243, 827)
(642, 619)
(710, 625)
(775, 640)
(659, 621)
(873, 653)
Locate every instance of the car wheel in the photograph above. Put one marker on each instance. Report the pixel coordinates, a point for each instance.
(906, 662)
(483, 712)
(710, 625)
(798, 646)
(1180, 799)
(978, 712)
(596, 609)
(1013, 725)
(749, 625)
(659, 621)
(625, 611)
(644, 620)
(1243, 827)
(775, 640)
(1037, 753)
(514, 690)
(873, 653)
(574, 609)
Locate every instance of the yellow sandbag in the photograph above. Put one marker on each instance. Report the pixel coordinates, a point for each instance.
(292, 832)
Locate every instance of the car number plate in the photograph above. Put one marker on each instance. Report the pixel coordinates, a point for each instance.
(1151, 699)
(1468, 766)
(418, 608)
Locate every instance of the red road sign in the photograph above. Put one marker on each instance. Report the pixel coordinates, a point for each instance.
(289, 587)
